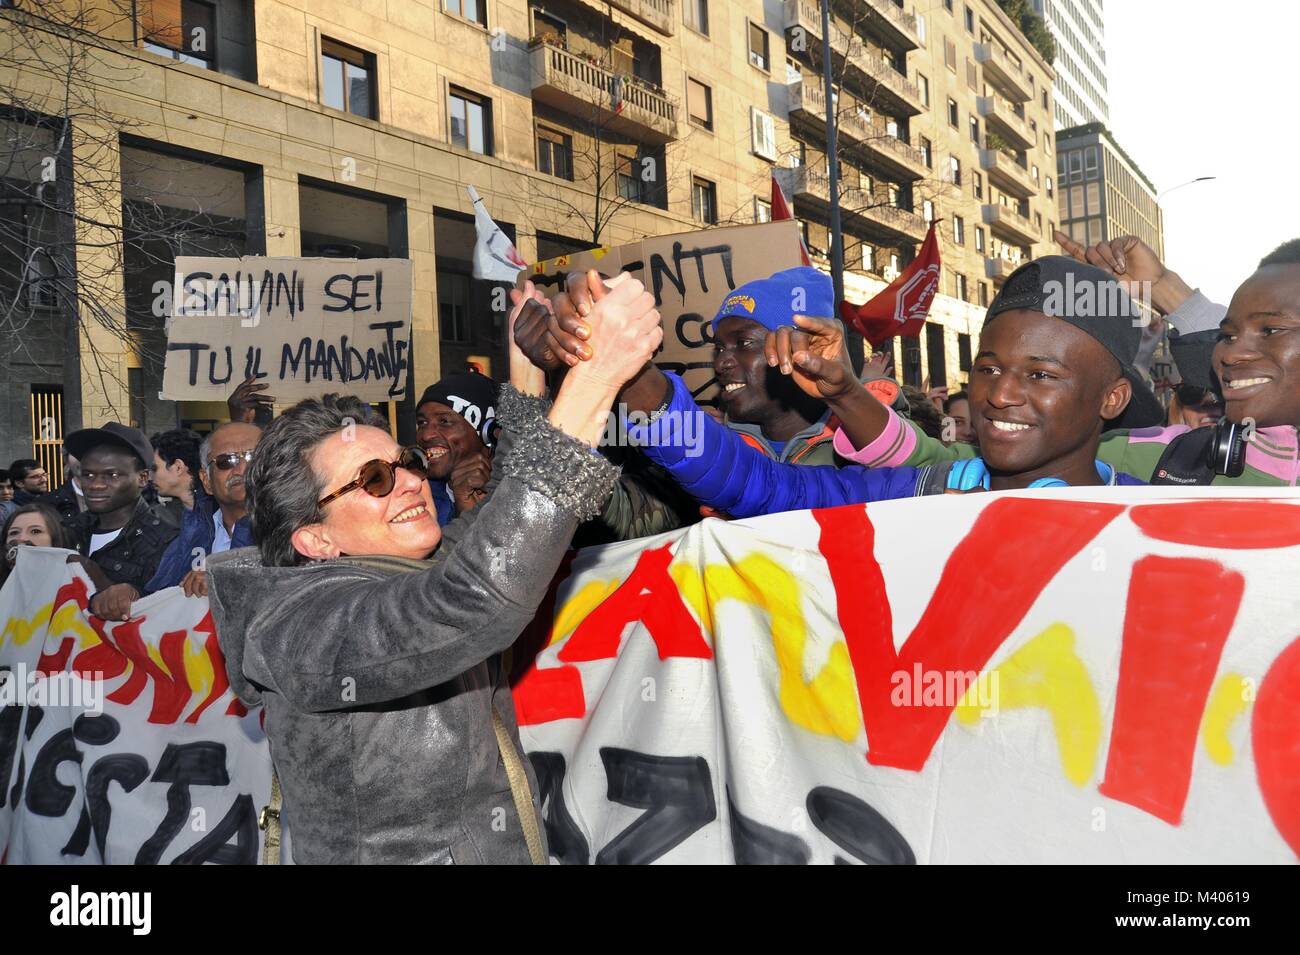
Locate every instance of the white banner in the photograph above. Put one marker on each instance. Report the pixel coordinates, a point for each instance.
(1064, 676)
(120, 743)
(1075, 675)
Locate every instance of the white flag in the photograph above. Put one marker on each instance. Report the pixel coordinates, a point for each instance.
(495, 257)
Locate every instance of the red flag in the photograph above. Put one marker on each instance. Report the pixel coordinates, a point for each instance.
(901, 307)
(781, 210)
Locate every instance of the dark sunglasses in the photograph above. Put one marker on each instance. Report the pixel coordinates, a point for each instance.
(231, 459)
(378, 478)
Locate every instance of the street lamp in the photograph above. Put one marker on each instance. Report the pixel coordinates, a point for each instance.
(1189, 182)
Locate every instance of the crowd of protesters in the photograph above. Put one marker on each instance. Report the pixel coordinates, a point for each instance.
(364, 593)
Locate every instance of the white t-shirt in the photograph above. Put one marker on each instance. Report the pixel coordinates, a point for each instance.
(102, 540)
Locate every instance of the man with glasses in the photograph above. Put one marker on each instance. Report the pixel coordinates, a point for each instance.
(29, 480)
(121, 533)
(218, 520)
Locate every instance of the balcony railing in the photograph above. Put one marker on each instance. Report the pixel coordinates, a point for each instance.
(801, 182)
(1004, 73)
(1008, 123)
(897, 157)
(624, 104)
(655, 13)
(889, 18)
(1008, 223)
(1007, 174)
(890, 89)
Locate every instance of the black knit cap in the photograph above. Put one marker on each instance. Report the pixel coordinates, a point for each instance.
(470, 395)
(1094, 302)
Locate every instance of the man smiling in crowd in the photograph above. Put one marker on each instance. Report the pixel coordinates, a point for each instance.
(455, 426)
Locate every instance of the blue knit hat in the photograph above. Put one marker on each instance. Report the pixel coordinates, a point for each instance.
(775, 300)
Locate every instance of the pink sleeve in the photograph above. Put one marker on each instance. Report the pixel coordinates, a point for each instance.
(891, 448)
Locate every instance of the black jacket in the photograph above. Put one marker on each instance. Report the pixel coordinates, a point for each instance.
(132, 557)
(64, 500)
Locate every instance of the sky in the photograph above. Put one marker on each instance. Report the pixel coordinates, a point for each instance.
(1208, 88)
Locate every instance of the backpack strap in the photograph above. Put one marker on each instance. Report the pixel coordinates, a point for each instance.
(933, 479)
(1186, 460)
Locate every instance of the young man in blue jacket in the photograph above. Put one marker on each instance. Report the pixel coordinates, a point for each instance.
(1054, 368)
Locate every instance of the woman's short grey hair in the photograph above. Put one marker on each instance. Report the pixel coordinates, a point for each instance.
(282, 486)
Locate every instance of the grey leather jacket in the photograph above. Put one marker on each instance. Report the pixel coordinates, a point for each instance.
(379, 686)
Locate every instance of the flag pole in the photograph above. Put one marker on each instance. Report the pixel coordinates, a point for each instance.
(833, 164)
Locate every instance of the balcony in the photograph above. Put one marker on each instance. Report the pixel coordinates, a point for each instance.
(895, 158)
(1004, 74)
(888, 90)
(576, 85)
(871, 214)
(1010, 225)
(889, 20)
(999, 269)
(653, 13)
(1006, 121)
(1007, 174)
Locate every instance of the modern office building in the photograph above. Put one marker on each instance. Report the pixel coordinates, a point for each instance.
(1102, 192)
(1078, 26)
(228, 127)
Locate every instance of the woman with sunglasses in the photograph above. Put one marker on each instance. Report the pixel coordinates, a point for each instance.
(372, 636)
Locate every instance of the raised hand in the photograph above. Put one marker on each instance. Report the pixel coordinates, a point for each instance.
(624, 330)
(245, 400)
(526, 331)
(1136, 265)
(814, 355)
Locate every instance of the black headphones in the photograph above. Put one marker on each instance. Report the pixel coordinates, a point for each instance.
(1227, 451)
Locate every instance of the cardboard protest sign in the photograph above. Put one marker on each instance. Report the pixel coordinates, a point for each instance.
(690, 274)
(303, 326)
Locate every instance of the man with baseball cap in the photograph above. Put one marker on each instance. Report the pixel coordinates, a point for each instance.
(1054, 367)
(120, 531)
(455, 426)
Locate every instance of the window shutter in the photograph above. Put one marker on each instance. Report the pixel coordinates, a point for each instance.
(763, 129)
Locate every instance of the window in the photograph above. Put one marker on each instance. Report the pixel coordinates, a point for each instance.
(954, 170)
(793, 74)
(1038, 221)
(554, 153)
(868, 258)
(920, 28)
(471, 121)
(475, 10)
(699, 103)
(959, 230)
(975, 130)
(1090, 162)
(1034, 172)
(972, 77)
(186, 31)
(629, 183)
(1076, 166)
(762, 210)
(1044, 97)
(927, 152)
(947, 5)
(963, 343)
(961, 288)
(977, 184)
(347, 78)
(762, 133)
(934, 356)
(954, 119)
(924, 83)
(927, 211)
(950, 54)
(548, 27)
(704, 200)
(758, 40)
(970, 20)
(695, 14)
(983, 300)
(453, 307)
(979, 238)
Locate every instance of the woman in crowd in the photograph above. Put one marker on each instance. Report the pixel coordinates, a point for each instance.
(32, 525)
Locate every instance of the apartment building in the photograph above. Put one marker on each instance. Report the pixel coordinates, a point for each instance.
(280, 127)
(1103, 194)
